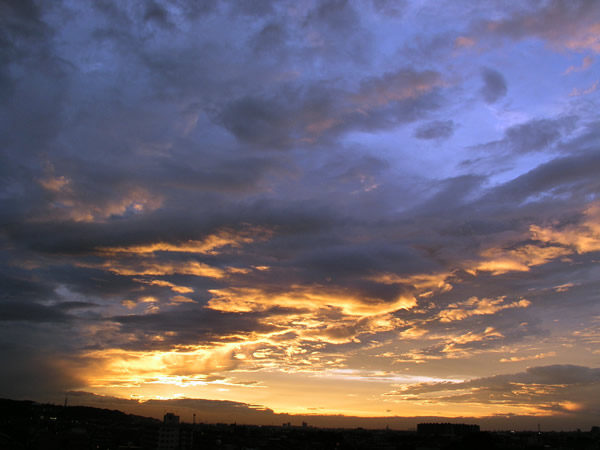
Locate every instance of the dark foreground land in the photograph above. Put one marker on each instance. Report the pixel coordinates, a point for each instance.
(30, 425)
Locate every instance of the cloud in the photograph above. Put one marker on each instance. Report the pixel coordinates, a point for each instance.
(156, 268)
(208, 245)
(590, 90)
(585, 64)
(31, 312)
(528, 358)
(439, 129)
(294, 118)
(255, 201)
(464, 42)
(476, 307)
(253, 299)
(494, 85)
(559, 388)
(538, 134)
(565, 24)
(581, 238)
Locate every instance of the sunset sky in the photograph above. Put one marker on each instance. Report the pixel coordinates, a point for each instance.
(360, 208)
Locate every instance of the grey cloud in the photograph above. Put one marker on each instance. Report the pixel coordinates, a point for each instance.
(256, 8)
(538, 134)
(494, 85)
(33, 372)
(193, 325)
(22, 18)
(390, 7)
(297, 118)
(262, 123)
(586, 141)
(157, 14)
(551, 376)
(335, 14)
(438, 129)
(572, 175)
(272, 36)
(30, 312)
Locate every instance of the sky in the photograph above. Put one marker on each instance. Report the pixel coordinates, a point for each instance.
(332, 208)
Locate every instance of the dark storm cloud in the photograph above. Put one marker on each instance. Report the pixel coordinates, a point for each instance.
(438, 129)
(20, 18)
(33, 372)
(31, 312)
(494, 85)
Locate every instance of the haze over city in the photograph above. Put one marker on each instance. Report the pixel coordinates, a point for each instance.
(339, 210)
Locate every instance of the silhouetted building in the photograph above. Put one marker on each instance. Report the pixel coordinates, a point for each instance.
(171, 435)
(170, 419)
(446, 429)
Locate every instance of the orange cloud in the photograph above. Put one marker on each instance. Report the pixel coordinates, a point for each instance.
(464, 42)
(587, 38)
(499, 261)
(155, 268)
(425, 284)
(207, 245)
(121, 368)
(577, 92)
(67, 202)
(55, 184)
(550, 243)
(579, 238)
(393, 87)
(181, 299)
(477, 307)
(300, 297)
(174, 287)
(528, 358)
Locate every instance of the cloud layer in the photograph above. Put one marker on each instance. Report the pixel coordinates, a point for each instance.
(365, 201)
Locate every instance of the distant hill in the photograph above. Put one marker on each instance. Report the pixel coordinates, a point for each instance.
(15, 409)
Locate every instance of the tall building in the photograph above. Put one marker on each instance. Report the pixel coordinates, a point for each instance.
(171, 435)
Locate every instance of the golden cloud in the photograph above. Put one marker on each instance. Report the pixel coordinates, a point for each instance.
(155, 268)
(245, 299)
(477, 307)
(116, 367)
(174, 287)
(579, 238)
(550, 244)
(208, 245)
(528, 358)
